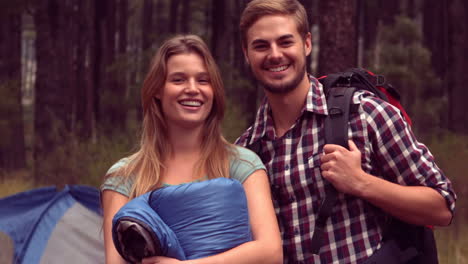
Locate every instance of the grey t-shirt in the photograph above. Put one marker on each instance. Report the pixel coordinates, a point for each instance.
(240, 168)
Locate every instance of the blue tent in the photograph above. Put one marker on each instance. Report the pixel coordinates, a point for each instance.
(47, 225)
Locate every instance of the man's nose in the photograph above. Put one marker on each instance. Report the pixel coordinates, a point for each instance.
(275, 52)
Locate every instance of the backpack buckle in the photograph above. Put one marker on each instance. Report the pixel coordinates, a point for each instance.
(379, 80)
(334, 111)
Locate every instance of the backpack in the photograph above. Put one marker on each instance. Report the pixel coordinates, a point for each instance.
(402, 242)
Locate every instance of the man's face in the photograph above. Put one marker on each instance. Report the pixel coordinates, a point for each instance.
(276, 53)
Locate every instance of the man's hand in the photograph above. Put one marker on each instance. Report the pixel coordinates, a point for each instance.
(342, 168)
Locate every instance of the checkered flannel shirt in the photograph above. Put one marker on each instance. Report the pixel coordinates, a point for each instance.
(389, 149)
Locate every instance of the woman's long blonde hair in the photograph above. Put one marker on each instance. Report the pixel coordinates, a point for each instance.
(146, 165)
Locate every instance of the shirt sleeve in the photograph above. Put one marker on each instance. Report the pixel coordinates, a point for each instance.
(118, 183)
(244, 164)
(401, 158)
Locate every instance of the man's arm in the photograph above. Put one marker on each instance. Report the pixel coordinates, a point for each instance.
(419, 205)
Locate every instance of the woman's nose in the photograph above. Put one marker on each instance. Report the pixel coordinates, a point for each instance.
(192, 86)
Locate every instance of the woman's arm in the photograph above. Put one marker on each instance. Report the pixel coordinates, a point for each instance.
(266, 246)
(111, 203)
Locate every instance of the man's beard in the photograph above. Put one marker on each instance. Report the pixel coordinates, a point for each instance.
(284, 88)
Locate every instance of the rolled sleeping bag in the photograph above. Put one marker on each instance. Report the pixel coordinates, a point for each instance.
(186, 221)
(138, 232)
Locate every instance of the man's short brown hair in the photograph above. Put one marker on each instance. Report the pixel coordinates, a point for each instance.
(259, 8)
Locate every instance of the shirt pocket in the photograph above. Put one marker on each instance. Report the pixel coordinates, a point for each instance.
(314, 181)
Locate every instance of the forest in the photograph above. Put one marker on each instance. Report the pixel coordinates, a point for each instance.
(71, 73)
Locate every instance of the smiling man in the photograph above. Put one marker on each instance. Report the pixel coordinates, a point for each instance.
(385, 173)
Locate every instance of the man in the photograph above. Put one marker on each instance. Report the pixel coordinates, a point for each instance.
(384, 172)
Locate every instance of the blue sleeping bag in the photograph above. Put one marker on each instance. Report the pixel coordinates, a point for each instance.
(185, 221)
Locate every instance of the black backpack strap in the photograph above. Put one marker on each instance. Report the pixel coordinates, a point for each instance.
(339, 101)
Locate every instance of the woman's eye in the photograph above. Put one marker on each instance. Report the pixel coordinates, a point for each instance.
(177, 80)
(204, 81)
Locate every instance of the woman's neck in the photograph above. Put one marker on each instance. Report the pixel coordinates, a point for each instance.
(181, 164)
(185, 141)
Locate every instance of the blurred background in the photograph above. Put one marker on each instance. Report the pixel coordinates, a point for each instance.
(71, 72)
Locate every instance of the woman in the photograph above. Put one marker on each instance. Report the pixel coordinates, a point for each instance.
(183, 105)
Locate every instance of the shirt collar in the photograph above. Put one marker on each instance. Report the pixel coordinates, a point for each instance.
(315, 103)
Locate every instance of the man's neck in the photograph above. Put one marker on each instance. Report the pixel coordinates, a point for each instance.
(286, 108)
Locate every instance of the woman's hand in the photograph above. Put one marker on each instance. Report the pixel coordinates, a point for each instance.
(161, 260)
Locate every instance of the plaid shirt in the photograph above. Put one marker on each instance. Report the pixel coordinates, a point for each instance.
(354, 230)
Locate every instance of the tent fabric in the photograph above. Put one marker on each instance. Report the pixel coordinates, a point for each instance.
(191, 220)
(47, 225)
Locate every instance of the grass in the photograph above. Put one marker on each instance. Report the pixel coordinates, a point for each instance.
(451, 153)
(15, 182)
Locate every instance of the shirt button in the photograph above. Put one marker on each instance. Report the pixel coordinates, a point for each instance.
(288, 135)
(291, 199)
(296, 231)
(286, 167)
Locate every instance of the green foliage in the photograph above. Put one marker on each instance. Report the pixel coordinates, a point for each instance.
(85, 162)
(234, 122)
(406, 63)
(238, 88)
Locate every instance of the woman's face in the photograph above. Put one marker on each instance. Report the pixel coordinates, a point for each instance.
(187, 95)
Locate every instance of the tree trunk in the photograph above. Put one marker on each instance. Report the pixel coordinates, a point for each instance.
(84, 60)
(375, 13)
(161, 23)
(308, 5)
(435, 29)
(458, 64)
(174, 16)
(96, 54)
(112, 99)
(147, 25)
(338, 35)
(186, 17)
(12, 143)
(121, 87)
(219, 43)
(53, 102)
(247, 100)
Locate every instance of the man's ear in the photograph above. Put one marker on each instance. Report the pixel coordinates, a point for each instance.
(308, 43)
(244, 50)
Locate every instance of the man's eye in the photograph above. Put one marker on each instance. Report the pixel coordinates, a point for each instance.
(260, 47)
(287, 43)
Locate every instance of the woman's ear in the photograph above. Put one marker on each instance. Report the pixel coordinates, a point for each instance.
(156, 99)
(157, 96)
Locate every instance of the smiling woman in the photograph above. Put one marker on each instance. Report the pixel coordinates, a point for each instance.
(183, 106)
(187, 96)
